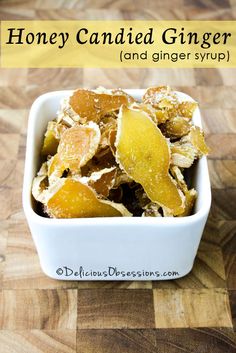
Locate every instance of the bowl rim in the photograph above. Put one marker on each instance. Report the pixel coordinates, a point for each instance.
(31, 215)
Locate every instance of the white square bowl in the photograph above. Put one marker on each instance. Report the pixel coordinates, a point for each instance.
(120, 248)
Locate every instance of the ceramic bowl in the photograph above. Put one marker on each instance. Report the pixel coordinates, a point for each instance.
(132, 248)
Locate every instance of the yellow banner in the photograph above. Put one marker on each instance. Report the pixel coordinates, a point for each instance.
(118, 44)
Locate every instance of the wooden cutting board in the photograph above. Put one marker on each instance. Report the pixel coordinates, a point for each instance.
(193, 314)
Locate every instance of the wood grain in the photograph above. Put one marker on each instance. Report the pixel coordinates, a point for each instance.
(11, 121)
(155, 341)
(232, 300)
(58, 77)
(9, 146)
(40, 341)
(38, 309)
(23, 270)
(13, 77)
(208, 272)
(3, 245)
(230, 268)
(115, 309)
(216, 96)
(214, 122)
(115, 285)
(219, 234)
(11, 173)
(223, 173)
(191, 308)
(223, 204)
(6, 200)
(223, 146)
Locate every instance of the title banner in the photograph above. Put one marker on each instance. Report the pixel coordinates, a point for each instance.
(118, 44)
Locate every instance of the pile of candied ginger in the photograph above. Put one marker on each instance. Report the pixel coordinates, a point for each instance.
(109, 155)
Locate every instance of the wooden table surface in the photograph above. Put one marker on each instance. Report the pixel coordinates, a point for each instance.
(193, 314)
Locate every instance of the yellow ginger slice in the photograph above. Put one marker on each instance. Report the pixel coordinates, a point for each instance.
(78, 145)
(52, 137)
(143, 152)
(196, 137)
(91, 106)
(161, 116)
(72, 199)
(186, 109)
(176, 127)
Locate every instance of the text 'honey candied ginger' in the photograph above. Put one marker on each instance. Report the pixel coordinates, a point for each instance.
(107, 154)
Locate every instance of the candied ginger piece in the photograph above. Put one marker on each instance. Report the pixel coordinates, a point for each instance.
(116, 91)
(161, 116)
(66, 114)
(177, 174)
(190, 147)
(190, 195)
(72, 199)
(52, 137)
(143, 152)
(147, 108)
(56, 168)
(190, 198)
(40, 183)
(196, 136)
(107, 126)
(161, 97)
(112, 140)
(91, 106)
(120, 91)
(101, 181)
(78, 145)
(182, 155)
(186, 109)
(167, 212)
(176, 127)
